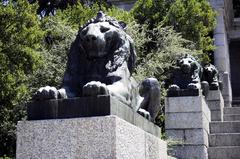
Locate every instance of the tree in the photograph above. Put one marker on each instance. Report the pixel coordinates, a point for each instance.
(19, 43)
(150, 12)
(54, 50)
(195, 19)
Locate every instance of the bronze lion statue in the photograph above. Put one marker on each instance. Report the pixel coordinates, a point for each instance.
(186, 78)
(101, 62)
(210, 75)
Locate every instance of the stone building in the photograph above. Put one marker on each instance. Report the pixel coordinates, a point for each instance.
(227, 38)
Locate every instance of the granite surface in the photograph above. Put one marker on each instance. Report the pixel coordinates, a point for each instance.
(107, 137)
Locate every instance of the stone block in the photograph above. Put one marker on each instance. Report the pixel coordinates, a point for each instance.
(214, 95)
(231, 117)
(226, 152)
(220, 39)
(188, 136)
(225, 127)
(89, 107)
(227, 89)
(86, 138)
(232, 110)
(155, 148)
(186, 121)
(194, 104)
(224, 139)
(215, 105)
(216, 115)
(183, 104)
(189, 152)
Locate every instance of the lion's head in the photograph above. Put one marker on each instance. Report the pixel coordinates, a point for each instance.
(101, 47)
(188, 64)
(104, 38)
(210, 74)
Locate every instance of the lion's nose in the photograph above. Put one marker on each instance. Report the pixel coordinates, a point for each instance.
(91, 38)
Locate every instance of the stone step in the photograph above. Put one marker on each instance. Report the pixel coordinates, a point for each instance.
(235, 105)
(225, 127)
(224, 139)
(231, 117)
(236, 102)
(232, 110)
(225, 152)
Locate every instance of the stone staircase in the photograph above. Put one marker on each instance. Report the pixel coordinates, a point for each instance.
(224, 139)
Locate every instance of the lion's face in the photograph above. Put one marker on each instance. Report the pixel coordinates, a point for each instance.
(186, 64)
(209, 70)
(98, 39)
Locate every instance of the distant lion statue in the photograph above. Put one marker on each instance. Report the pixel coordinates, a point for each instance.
(186, 78)
(100, 62)
(210, 75)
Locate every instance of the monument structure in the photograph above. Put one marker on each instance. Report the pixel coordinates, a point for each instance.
(98, 112)
(224, 105)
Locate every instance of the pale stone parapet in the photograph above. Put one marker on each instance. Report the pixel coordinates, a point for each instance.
(187, 122)
(215, 104)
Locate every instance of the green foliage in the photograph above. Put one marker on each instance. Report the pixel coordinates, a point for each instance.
(19, 43)
(170, 46)
(150, 12)
(33, 51)
(5, 157)
(58, 38)
(77, 15)
(195, 19)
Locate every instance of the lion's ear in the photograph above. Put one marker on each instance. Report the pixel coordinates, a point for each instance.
(123, 25)
(194, 65)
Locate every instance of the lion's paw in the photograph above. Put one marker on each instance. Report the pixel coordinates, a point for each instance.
(95, 88)
(192, 86)
(45, 93)
(174, 87)
(144, 113)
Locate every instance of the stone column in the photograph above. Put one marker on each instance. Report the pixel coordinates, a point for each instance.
(87, 138)
(221, 54)
(187, 121)
(215, 104)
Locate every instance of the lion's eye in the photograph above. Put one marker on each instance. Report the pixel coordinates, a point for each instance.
(104, 29)
(84, 31)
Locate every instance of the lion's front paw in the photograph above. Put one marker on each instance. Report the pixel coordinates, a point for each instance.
(214, 86)
(174, 87)
(144, 113)
(192, 86)
(95, 88)
(45, 93)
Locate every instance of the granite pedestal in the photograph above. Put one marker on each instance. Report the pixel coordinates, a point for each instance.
(87, 128)
(187, 122)
(107, 137)
(215, 104)
(89, 107)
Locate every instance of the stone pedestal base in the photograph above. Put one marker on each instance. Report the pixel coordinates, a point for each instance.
(106, 137)
(215, 104)
(187, 122)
